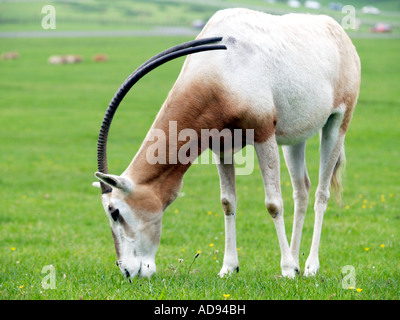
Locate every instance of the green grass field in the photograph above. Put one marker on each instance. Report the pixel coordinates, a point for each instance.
(51, 215)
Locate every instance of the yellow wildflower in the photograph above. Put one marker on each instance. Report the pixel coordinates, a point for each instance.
(227, 296)
(211, 244)
(358, 289)
(371, 204)
(13, 248)
(382, 245)
(366, 249)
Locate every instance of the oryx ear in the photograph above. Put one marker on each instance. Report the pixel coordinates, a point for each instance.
(114, 181)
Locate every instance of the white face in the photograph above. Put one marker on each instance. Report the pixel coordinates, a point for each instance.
(136, 234)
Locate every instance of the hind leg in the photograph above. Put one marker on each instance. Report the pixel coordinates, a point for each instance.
(332, 139)
(295, 161)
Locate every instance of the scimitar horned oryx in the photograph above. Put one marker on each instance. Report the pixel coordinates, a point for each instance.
(284, 77)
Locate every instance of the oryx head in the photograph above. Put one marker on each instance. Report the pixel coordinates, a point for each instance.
(134, 211)
(135, 215)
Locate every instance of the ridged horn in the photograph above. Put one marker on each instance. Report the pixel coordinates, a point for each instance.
(159, 59)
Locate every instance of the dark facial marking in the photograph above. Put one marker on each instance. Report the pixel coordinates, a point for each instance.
(115, 214)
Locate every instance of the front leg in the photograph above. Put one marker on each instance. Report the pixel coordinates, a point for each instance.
(268, 158)
(228, 200)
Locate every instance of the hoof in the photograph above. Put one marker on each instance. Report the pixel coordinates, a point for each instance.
(311, 271)
(312, 267)
(290, 272)
(227, 271)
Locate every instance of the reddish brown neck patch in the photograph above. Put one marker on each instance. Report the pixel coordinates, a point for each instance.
(200, 104)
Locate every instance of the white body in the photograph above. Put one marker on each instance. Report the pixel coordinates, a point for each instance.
(286, 77)
(285, 64)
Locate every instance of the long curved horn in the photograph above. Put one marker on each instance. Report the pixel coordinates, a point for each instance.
(159, 59)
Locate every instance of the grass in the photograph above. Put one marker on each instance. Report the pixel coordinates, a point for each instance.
(50, 214)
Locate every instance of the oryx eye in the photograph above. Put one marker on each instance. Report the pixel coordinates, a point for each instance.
(115, 214)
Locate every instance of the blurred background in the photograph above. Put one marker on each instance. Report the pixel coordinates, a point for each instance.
(185, 16)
